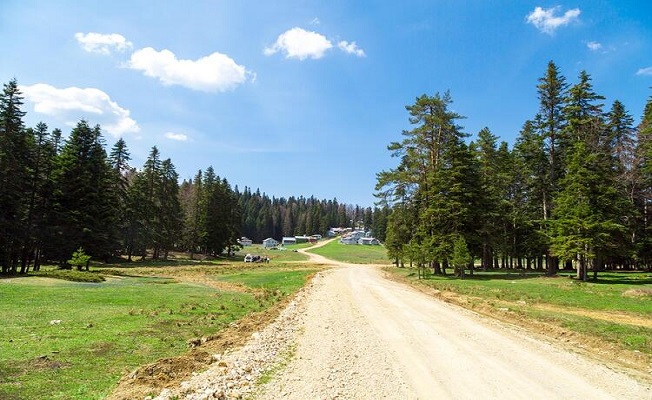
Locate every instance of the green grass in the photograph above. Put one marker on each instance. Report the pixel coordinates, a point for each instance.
(533, 288)
(276, 256)
(529, 294)
(107, 329)
(283, 280)
(354, 254)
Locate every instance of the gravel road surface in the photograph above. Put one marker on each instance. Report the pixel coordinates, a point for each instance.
(355, 335)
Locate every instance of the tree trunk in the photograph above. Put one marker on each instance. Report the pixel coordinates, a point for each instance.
(552, 264)
(437, 269)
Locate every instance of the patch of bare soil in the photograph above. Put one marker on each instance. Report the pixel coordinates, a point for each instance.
(622, 318)
(616, 356)
(44, 363)
(642, 292)
(150, 379)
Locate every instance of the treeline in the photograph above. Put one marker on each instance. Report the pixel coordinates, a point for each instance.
(264, 217)
(574, 191)
(58, 196)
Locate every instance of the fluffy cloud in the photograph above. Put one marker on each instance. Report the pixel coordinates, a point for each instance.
(595, 46)
(644, 71)
(102, 43)
(214, 73)
(72, 104)
(546, 20)
(351, 48)
(180, 137)
(301, 44)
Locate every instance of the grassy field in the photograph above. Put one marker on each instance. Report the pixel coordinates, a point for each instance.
(74, 340)
(616, 309)
(354, 254)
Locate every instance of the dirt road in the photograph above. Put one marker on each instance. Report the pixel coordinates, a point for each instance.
(366, 337)
(352, 334)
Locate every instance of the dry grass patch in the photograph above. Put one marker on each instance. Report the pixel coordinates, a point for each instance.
(639, 292)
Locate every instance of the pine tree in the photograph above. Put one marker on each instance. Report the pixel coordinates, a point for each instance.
(584, 224)
(40, 189)
(193, 215)
(643, 196)
(119, 158)
(620, 144)
(13, 175)
(170, 208)
(550, 122)
(491, 195)
(437, 177)
(583, 114)
(592, 206)
(83, 208)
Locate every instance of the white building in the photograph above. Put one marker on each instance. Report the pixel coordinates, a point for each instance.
(368, 241)
(289, 240)
(244, 242)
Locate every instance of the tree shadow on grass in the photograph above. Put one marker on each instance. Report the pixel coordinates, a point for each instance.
(604, 278)
(487, 275)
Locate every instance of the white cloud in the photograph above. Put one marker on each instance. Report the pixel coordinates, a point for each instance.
(301, 44)
(644, 71)
(546, 21)
(351, 48)
(102, 43)
(176, 136)
(72, 104)
(594, 46)
(216, 72)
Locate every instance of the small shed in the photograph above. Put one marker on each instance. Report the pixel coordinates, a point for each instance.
(270, 243)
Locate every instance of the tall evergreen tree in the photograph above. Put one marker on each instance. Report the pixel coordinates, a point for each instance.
(437, 175)
(643, 193)
(550, 123)
(599, 209)
(83, 211)
(122, 172)
(489, 233)
(585, 220)
(41, 165)
(620, 144)
(170, 208)
(13, 175)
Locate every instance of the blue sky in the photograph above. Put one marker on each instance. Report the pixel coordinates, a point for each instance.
(302, 97)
